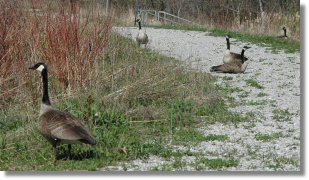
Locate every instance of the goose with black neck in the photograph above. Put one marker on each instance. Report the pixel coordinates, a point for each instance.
(234, 67)
(56, 126)
(142, 37)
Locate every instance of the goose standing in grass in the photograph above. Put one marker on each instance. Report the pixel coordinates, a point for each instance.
(284, 33)
(234, 66)
(56, 126)
(142, 37)
(230, 56)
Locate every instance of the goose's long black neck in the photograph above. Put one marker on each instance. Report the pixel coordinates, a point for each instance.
(139, 25)
(242, 55)
(228, 43)
(45, 99)
(284, 33)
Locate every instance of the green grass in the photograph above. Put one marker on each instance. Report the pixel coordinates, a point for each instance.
(227, 78)
(190, 136)
(282, 115)
(219, 113)
(244, 94)
(279, 162)
(253, 83)
(275, 44)
(268, 137)
(184, 27)
(256, 103)
(262, 94)
(228, 89)
(216, 137)
(187, 136)
(218, 163)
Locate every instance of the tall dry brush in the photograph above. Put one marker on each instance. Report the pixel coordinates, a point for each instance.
(54, 32)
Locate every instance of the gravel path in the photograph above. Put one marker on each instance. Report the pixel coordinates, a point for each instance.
(271, 141)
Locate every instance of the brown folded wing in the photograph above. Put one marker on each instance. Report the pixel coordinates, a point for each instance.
(235, 57)
(63, 126)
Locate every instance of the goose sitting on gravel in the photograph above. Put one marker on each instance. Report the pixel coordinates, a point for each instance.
(142, 37)
(234, 66)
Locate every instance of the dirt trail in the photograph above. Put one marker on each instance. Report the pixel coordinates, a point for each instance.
(271, 141)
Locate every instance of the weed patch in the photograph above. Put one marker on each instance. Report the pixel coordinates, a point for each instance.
(219, 163)
(262, 94)
(282, 115)
(215, 137)
(268, 137)
(253, 83)
(188, 136)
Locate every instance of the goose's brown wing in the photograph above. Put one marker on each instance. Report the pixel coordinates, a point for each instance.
(64, 126)
(235, 56)
(231, 57)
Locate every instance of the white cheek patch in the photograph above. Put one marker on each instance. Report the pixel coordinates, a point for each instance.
(40, 68)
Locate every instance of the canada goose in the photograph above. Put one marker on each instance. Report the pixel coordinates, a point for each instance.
(234, 66)
(56, 126)
(284, 33)
(230, 56)
(142, 37)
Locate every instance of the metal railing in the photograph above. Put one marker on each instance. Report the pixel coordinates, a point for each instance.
(160, 16)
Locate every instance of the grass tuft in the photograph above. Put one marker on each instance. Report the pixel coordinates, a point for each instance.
(219, 163)
(215, 137)
(253, 83)
(282, 115)
(268, 137)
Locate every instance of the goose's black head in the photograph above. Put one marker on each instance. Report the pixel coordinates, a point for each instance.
(246, 47)
(138, 20)
(38, 66)
(283, 28)
(227, 37)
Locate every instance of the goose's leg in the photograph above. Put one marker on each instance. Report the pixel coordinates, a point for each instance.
(69, 150)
